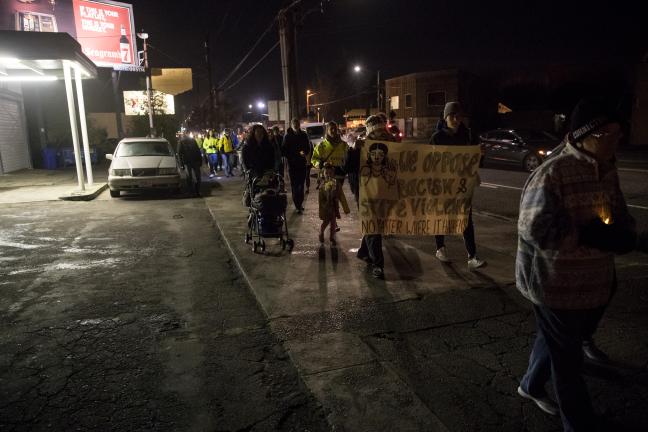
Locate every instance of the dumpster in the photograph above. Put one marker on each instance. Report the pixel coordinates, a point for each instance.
(49, 158)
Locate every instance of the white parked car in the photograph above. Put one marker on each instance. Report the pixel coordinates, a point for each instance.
(143, 164)
(315, 131)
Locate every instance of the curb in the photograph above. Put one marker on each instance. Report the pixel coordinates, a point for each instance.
(83, 196)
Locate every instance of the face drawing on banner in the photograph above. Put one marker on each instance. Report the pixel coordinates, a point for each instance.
(378, 165)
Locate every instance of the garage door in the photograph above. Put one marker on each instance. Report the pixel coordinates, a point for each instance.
(14, 150)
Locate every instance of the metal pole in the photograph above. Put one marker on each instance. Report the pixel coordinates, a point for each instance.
(211, 84)
(149, 92)
(73, 123)
(84, 125)
(118, 101)
(378, 91)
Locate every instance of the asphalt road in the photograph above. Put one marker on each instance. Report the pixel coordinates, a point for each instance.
(128, 315)
(499, 194)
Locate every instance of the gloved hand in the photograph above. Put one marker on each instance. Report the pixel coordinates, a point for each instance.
(610, 238)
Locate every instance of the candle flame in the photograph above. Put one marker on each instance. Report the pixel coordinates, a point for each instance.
(607, 221)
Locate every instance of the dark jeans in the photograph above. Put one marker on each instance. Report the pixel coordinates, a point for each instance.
(194, 172)
(219, 161)
(558, 355)
(371, 248)
(308, 177)
(297, 180)
(468, 235)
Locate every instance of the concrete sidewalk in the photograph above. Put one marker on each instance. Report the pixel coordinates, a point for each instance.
(433, 346)
(33, 185)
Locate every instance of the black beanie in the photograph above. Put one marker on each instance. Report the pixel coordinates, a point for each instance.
(589, 115)
(451, 108)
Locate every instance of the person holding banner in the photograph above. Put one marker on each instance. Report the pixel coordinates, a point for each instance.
(371, 247)
(452, 131)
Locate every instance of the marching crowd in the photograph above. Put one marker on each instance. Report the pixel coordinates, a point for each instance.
(573, 220)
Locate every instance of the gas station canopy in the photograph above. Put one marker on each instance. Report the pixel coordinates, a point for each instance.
(36, 56)
(28, 57)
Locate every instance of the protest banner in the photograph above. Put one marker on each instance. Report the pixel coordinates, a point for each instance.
(416, 189)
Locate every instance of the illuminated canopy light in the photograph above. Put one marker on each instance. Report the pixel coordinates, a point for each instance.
(31, 78)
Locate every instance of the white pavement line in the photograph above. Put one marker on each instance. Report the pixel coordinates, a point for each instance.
(633, 170)
(637, 206)
(495, 186)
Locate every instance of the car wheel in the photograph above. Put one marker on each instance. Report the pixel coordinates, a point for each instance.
(531, 162)
(114, 193)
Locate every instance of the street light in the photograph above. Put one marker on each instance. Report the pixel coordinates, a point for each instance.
(308, 95)
(260, 105)
(147, 71)
(250, 106)
(358, 69)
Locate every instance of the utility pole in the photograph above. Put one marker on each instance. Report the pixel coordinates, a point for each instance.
(288, 43)
(118, 101)
(378, 98)
(149, 90)
(210, 123)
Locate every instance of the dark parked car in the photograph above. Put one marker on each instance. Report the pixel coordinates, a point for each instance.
(520, 147)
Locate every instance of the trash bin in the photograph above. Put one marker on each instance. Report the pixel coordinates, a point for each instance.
(49, 159)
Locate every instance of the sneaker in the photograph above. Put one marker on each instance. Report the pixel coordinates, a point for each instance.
(544, 403)
(593, 353)
(378, 272)
(212, 175)
(441, 255)
(475, 263)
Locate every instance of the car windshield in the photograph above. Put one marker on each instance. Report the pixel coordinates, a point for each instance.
(144, 148)
(315, 131)
(532, 135)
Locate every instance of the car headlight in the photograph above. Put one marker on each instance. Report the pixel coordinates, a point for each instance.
(167, 171)
(120, 172)
(542, 152)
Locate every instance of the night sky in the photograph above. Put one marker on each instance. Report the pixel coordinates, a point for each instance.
(392, 36)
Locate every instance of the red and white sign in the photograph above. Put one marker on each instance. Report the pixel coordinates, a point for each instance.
(105, 31)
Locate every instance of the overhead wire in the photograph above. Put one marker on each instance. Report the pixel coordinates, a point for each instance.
(254, 66)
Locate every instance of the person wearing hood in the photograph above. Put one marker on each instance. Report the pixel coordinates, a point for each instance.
(371, 247)
(573, 220)
(452, 131)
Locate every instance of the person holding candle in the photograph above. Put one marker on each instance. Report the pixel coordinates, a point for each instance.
(573, 220)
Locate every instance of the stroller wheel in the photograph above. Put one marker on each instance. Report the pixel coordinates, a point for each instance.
(255, 245)
(262, 245)
(248, 237)
(283, 244)
(291, 244)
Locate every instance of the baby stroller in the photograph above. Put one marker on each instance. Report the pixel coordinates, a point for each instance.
(267, 212)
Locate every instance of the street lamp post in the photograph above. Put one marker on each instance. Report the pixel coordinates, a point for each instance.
(358, 69)
(149, 92)
(308, 95)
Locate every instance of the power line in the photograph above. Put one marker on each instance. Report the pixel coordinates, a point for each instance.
(254, 66)
(341, 99)
(238, 66)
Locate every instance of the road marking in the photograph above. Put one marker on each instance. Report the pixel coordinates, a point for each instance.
(495, 186)
(633, 170)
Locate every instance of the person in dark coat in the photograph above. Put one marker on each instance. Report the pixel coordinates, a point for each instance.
(452, 131)
(191, 158)
(371, 247)
(296, 149)
(258, 155)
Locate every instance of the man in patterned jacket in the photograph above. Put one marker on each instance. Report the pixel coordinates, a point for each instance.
(573, 219)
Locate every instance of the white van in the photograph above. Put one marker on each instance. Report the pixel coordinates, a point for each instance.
(316, 132)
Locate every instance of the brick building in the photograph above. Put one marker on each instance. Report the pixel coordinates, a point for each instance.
(418, 99)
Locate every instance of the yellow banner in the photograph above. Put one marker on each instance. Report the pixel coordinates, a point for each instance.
(416, 189)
